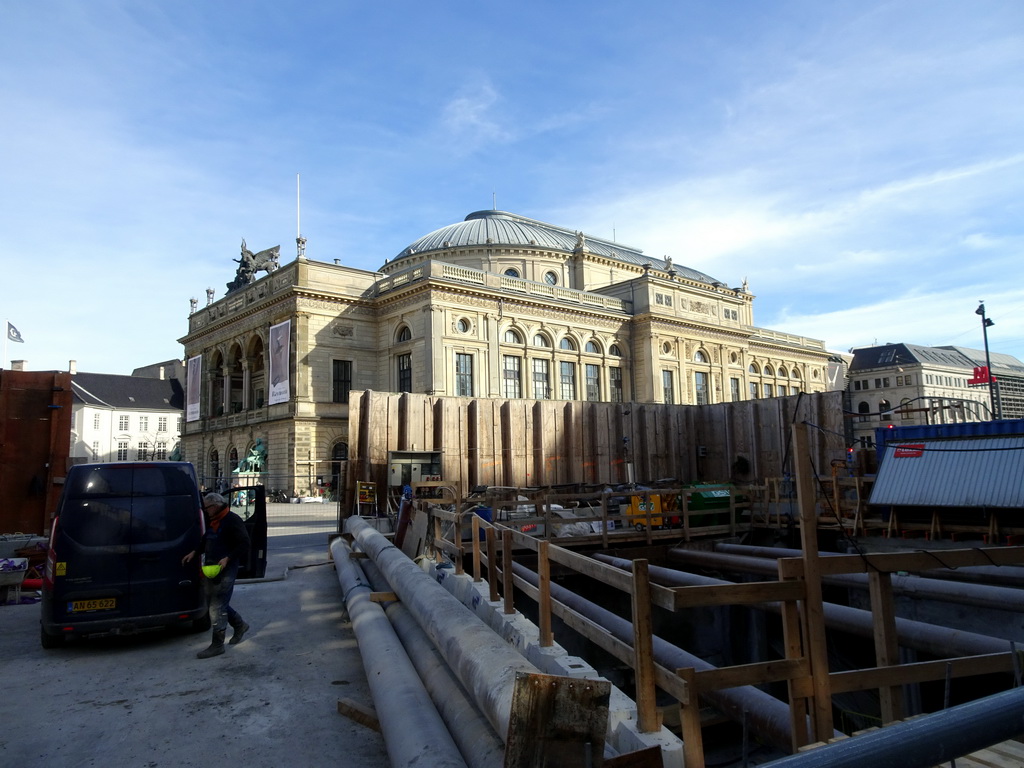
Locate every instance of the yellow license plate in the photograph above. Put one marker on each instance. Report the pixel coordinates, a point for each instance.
(81, 606)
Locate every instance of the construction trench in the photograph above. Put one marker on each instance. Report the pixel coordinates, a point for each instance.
(444, 655)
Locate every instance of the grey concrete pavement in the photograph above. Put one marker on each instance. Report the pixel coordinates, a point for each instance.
(147, 701)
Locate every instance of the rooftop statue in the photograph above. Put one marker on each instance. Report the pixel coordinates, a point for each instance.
(250, 263)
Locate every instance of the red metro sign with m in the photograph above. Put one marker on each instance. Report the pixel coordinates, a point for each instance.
(981, 376)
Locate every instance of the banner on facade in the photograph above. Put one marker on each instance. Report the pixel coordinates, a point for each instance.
(193, 380)
(280, 338)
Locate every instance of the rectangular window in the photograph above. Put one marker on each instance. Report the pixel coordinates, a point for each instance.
(700, 383)
(878, 383)
(541, 379)
(95, 421)
(142, 451)
(341, 380)
(734, 390)
(179, 425)
(161, 452)
(567, 379)
(161, 424)
(782, 391)
(405, 372)
(463, 375)
(668, 389)
(908, 379)
(885, 382)
(899, 381)
(769, 390)
(593, 373)
(122, 424)
(96, 449)
(143, 423)
(512, 377)
(753, 390)
(122, 450)
(615, 384)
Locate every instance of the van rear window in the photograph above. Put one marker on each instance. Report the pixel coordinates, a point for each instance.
(97, 522)
(111, 480)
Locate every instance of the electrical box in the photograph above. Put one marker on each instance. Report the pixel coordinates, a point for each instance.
(408, 467)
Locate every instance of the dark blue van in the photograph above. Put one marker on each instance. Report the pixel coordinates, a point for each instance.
(114, 563)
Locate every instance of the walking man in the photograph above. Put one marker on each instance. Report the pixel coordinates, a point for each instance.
(224, 544)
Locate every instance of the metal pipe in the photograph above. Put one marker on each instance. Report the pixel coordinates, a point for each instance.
(1006, 575)
(768, 717)
(974, 595)
(477, 741)
(484, 663)
(923, 741)
(929, 638)
(413, 730)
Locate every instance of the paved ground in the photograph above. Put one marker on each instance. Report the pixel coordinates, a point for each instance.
(147, 701)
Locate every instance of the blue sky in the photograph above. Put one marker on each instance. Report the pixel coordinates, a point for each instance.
(861, 164)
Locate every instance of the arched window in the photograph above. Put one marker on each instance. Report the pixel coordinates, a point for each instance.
(885, 410)
(592, 348)
(567, 344)
(782, 372)
(700, 357)
(404, 334)
(754, 369)
(614, 351)
(512, 337)
(339, 454)
(794, 374)
(511, 272)
(864, 410)
(769, 371)
(540, 341)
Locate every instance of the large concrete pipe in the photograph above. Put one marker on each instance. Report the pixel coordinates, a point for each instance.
(477, 741)
(923, 741)
(413, 730)
(766, 716)
(975, 595)
(1005, 575)
(927, 638)
(484, 663)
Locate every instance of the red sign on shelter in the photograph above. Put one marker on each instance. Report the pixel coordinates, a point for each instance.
(910, 451)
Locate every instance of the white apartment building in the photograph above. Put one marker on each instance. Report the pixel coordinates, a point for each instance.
(125, 418)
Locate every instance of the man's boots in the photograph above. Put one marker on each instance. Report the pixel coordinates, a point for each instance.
(238, 624)
(216, 646)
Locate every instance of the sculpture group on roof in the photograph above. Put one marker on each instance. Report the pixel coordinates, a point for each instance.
(250, 263)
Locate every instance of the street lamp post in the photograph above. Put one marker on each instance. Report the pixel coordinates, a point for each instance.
(985, 324)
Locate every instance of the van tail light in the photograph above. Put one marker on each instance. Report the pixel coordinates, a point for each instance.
(51, 556)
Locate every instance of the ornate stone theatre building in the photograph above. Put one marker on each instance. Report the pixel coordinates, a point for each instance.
(495, 306)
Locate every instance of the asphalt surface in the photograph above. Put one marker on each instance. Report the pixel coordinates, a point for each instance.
(147, 701)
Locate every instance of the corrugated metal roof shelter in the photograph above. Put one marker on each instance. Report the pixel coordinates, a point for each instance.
(985, 472)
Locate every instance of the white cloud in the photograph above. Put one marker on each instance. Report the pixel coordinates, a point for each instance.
(469, 116)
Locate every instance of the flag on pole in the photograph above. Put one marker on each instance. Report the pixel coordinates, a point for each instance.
(14, 334)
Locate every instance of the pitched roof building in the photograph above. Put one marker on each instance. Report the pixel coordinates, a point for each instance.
(909, 384)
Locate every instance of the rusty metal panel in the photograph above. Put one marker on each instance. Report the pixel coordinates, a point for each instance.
(557, 721)
(35, 439)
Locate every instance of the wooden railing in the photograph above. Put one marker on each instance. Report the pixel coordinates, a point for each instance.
(810, 683)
